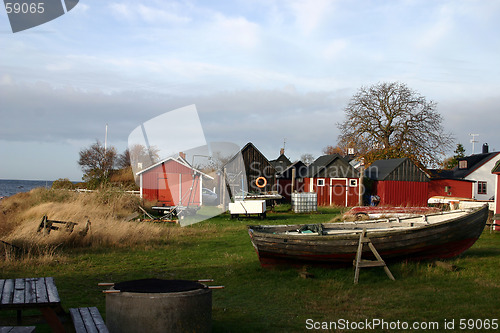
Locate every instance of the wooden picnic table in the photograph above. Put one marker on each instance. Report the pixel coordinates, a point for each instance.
(33, 293)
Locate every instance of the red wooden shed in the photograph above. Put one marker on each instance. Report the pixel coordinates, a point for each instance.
(399, 182)
(172, 182)
(334, 180)
(443, 183)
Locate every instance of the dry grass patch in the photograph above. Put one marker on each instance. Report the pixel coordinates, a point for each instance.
(106, 210)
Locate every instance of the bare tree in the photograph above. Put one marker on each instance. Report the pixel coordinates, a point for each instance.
(142, 157)
(390, 120)
(123, 160)
(307, 158)
(97, 162)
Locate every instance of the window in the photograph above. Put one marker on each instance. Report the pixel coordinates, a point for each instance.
(481, 187)
(320, 182)
(462, 164)
(353, 182)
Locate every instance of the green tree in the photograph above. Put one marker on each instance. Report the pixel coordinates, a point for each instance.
(452, 162)
(391, 120)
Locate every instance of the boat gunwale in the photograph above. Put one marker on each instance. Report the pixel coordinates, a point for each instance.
(354, 233)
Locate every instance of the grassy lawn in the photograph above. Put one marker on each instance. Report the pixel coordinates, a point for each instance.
(279, 300)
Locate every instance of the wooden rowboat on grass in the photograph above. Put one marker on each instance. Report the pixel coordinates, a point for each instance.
(432, 236)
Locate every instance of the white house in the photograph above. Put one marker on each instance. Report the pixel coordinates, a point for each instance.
(478, 168)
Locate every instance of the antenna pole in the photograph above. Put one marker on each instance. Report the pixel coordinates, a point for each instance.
(106, 139)
(473, 141)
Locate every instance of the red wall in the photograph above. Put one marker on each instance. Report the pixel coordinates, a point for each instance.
(337, 189)
(458, 188)
(497, 196)
(497, 201)
(156, 189)
(402, 193)
(284, 187)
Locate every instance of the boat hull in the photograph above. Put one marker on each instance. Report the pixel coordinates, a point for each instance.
(435, 241)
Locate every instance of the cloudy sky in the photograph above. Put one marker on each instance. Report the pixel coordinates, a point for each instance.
(257, 70)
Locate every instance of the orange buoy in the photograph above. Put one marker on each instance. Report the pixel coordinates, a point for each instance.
(261, 184)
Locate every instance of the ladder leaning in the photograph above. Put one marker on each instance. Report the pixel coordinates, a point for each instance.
(360, 263)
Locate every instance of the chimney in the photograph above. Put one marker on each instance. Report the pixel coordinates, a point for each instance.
(282, 151)
(182, 155)
(485, 148)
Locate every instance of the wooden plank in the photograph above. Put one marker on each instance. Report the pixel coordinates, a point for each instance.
(18, 297)
(371, 263)
(8, 291)
(88, 320)
(2, 283)
(30, 291)
(76, 317)
(52, 292)
(41, 291)
(17, 329)
(99, 322)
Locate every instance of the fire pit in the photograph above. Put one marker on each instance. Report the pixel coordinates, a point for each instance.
(154, 305)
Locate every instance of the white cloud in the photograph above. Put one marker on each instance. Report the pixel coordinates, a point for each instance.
(122, 10)
(237, 31)
(439, 30)
(334, 48)
(153, 15)
(81, 8)
(6, 79)
(60, 66)
(310, 14)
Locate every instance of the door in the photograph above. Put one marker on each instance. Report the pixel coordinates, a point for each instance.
(338, 191)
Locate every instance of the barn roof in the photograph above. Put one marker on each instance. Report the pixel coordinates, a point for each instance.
(281, 163)
(445, 174)
(399, 169)
(300, 169)
(332, 166)
(246, 148)
(177, 159)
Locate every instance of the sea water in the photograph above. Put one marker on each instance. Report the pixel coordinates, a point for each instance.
(10, 187)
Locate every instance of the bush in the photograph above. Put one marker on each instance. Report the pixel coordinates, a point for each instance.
(62, 183)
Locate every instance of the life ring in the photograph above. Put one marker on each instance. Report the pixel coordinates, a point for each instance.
(259, 185)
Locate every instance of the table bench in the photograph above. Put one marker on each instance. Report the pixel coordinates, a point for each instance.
(32, 293)
(17, 329)
(88, 320)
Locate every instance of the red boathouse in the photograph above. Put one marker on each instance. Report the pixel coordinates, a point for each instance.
(334, 180)
(398, 182)
(172, 182)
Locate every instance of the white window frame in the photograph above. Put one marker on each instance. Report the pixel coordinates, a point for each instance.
(320, 182)
(353, 183)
